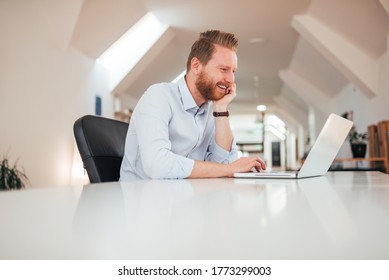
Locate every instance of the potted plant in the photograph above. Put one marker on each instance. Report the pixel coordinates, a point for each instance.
(358, 142)
(11, 177)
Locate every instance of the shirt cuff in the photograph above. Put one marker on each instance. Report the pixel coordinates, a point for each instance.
(182, 168)
(220, 155)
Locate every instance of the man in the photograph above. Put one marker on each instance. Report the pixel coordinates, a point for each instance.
(182, 130)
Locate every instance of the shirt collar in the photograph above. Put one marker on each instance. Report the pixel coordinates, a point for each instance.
(187, 99)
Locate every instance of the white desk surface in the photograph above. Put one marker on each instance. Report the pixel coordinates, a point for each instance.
(343, 215)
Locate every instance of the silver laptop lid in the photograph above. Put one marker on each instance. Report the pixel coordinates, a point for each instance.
(326, 146)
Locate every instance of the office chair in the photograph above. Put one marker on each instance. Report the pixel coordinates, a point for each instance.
(100, 142)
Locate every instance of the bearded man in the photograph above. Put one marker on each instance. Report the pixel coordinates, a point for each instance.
(182, 130)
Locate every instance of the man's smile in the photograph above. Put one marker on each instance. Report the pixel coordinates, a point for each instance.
(223, 87)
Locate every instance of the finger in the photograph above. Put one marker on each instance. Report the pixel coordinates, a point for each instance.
(260, 164)
(231, 89)
(263, 165)
(258, 167)
(228, 90)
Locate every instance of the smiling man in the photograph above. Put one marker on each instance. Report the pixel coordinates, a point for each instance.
(182, 130)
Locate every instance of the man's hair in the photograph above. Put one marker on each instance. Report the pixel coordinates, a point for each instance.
(204, 47)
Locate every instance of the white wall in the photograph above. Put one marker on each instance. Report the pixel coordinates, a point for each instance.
(44, 88)
(366, 110)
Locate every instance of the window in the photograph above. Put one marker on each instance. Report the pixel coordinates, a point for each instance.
(126, 52)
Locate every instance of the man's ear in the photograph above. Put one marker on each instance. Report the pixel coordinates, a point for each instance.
(195, 65)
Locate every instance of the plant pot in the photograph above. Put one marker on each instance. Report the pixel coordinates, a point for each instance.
(358, 150)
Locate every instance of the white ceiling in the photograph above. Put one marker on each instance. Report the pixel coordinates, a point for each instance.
(298, 64)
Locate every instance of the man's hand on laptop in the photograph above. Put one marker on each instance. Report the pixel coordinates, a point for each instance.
(247, 164)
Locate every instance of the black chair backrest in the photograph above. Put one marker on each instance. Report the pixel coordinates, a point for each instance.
(100, 142)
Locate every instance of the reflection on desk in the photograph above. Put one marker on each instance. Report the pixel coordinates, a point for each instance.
(343, 215)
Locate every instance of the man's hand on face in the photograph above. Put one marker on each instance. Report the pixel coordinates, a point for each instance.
(227, 98)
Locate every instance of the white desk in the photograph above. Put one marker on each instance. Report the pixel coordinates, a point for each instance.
(344, 215)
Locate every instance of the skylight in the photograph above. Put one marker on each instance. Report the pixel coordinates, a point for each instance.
(126, 52)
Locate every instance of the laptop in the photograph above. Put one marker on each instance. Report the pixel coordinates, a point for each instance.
(320, 157)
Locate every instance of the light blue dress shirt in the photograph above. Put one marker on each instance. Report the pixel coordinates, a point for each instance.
(167, 132)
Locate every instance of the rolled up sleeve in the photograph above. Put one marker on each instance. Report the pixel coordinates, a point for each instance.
(220, 155)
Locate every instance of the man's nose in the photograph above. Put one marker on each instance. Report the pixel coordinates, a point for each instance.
(230, 77)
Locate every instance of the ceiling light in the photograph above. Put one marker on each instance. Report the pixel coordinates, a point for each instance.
(261, 108)
(257, 40)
